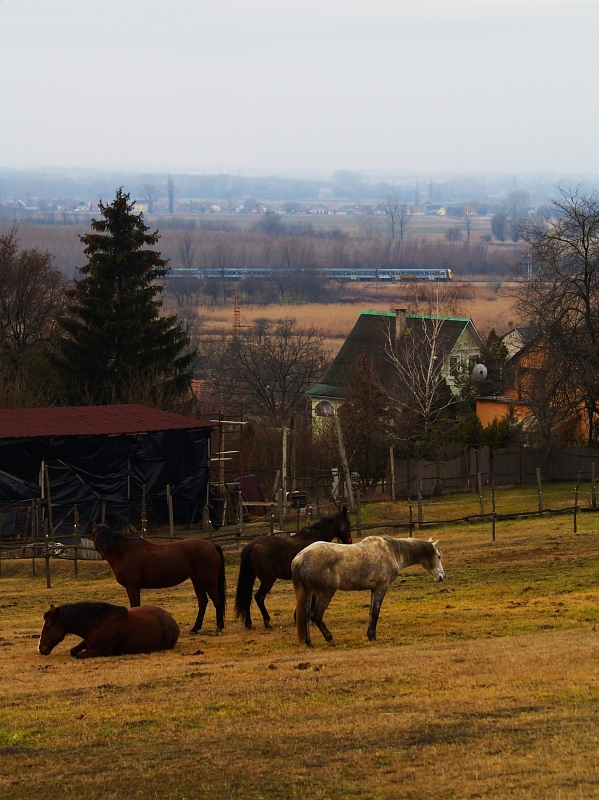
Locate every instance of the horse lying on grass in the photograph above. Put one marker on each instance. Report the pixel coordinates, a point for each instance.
(108, 630)
(138, 564)
(374, 563)
(269, 558)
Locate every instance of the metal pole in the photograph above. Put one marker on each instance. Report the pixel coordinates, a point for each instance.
(479, 484)
(49, 503)
(169, 501)
(47, 554)
(76, 534)
(345, 463)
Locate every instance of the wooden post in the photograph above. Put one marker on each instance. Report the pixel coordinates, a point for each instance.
(494, 512)
(359, 513)
(272, 519)
(281, 511)
(284, 467)
(144, 518)
(593, 486)
(293, 446)
(103, 512)
(171, 522)
(540, 490)
(297, 523)
(411, 510)
(420, 510)
(76, 536)
(47, 553)
(481, 500)
(392, 464)
(239, 517)
(49, 502)
(576, 504)
(206, 523)
(344, 463)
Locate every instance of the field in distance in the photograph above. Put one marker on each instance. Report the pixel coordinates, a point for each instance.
(482, 686)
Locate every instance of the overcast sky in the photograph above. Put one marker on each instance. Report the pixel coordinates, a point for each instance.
(255, 86)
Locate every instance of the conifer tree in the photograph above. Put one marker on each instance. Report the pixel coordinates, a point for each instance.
(115, 346)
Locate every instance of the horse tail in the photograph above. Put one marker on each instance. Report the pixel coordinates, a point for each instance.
(222, 579)
(245, 583)
(300, 601)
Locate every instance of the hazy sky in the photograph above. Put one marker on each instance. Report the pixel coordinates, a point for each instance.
(278, 85)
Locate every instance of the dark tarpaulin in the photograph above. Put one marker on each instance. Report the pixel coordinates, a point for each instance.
(89, 470)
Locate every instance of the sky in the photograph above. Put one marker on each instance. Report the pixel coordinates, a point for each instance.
(293, 86)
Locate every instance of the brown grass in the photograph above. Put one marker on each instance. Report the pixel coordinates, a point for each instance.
(483, 686)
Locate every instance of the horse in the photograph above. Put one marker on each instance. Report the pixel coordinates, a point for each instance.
(108, 630)
(374, 563)
(138, 564)
(269, 557)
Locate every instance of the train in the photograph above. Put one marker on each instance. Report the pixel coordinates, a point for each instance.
(384, 274)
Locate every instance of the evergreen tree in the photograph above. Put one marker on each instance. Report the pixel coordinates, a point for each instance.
(115, 346)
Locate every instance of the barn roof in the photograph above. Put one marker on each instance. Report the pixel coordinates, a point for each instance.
(22, 423)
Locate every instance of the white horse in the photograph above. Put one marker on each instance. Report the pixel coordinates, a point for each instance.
(374, 563)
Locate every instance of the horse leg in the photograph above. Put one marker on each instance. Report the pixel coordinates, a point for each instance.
(78, 648)
(220, 609)
(202, 603)
(134, 594)
(321, 605)
(260, 596)
(311, 609)
(376, 600)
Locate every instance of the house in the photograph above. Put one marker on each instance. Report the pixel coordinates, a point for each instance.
(374, 332)
(516, 338)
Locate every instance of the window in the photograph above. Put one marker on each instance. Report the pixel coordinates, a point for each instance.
(324, 409)
(454, 365)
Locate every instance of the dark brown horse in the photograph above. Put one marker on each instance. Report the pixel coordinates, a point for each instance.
(269, 557)
(108, 630)
(138, 564)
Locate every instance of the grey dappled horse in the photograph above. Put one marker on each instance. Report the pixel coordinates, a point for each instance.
(373, 563)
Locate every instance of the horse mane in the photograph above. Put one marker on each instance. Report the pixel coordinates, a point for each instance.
(86, 614)
(321, 526)
(415, 548)
(107, 539)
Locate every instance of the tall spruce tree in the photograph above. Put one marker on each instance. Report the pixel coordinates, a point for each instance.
(115, 346)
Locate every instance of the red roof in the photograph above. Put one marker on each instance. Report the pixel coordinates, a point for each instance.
(20, 423)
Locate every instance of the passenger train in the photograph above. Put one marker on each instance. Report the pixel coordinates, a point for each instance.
(385, 274)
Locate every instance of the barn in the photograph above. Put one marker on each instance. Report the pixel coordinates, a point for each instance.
(90, 455)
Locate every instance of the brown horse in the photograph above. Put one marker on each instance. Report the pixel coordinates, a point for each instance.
(138, 564)
(108, 630)
(269, 557)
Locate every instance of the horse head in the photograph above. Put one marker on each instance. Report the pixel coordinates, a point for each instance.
(343, 526)
(52, 633)
(435, 565)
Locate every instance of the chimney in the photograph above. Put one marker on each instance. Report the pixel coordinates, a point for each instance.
(401, 323)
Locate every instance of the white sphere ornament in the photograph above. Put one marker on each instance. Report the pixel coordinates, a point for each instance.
(479, 373)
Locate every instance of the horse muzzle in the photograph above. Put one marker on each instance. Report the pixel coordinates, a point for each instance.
(44, 650)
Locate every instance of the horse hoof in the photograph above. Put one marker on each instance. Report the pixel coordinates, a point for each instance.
(331, 643)
(193, 631)
(267, 625)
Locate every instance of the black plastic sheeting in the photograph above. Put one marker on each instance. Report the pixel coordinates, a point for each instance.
(90, 470)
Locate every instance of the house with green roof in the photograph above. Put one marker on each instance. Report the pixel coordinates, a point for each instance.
(376, 332)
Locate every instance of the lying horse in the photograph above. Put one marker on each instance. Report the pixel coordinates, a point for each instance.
(108, 630)
(270, 557)
(138, 564)
(373, 563)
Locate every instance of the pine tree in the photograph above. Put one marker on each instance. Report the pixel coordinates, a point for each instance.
(115, 345)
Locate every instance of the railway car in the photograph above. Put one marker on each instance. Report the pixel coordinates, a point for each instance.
(385, 274)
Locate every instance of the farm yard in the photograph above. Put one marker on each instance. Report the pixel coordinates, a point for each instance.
(484, 685)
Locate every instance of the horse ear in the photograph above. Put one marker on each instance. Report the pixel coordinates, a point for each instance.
(52, 607)
(430, 538)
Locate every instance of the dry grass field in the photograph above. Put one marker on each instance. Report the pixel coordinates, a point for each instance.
(483, 686)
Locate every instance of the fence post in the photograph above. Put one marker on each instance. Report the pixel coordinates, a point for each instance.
(281, 511)
(239, 517)
(103, 513)
(359, 513)
(494, 517)
(576, 504)
(47, 553)
(540, 490)
(169, 502)
(411, 516)
(392, 464)
(297, 524)
(144, 518)
(272, 519)
(593, 486)
(420, 510)
(76, 534)
(481, 499)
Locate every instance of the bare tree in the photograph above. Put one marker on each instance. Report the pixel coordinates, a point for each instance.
(467, 213)
(32, 295)
(187, 252)
(398, 216)
(150, 193)
(170, 191)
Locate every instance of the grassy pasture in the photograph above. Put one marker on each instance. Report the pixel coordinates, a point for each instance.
(483, 686)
